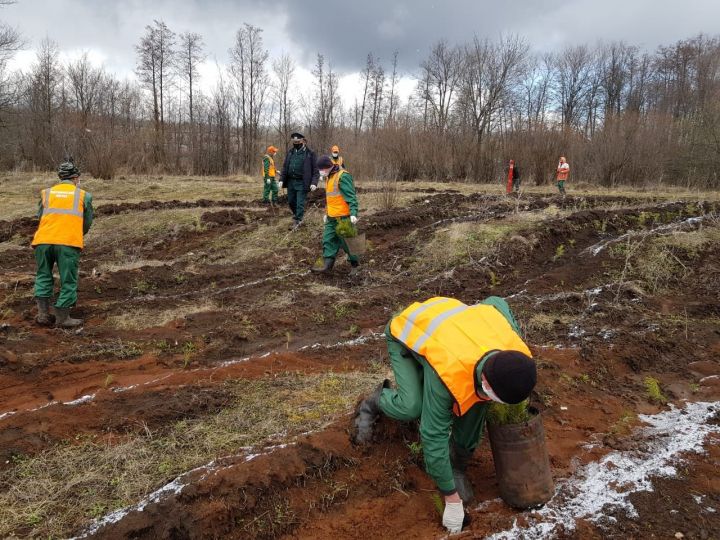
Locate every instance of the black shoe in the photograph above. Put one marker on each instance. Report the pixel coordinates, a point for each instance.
(328, 263)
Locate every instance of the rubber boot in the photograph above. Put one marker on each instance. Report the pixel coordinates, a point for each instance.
(355, 270)
(326, 267)
(294, 225)
(43, 307)
(63, 319)
(367, 414)
(459, 458)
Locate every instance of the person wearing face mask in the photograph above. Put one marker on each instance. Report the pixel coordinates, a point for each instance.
(299, 176)
(66, 214)
(337, 159)
(340, 204)
(450, 361)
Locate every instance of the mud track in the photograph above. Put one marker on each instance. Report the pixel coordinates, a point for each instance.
(596, 340)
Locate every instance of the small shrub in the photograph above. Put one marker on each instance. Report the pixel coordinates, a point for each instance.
(559, 252)
(654, 393)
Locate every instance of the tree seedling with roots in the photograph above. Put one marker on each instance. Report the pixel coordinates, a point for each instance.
(345, 229)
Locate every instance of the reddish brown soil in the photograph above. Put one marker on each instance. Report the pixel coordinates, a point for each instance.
(323, 487)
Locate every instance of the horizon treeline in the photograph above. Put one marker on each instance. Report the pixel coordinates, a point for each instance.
(621, 115)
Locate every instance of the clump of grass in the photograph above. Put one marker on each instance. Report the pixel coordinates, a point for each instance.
(654, 393)
(501, 414)
(345, 229)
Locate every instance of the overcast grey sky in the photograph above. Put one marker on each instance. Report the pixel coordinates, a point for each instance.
(346, 31)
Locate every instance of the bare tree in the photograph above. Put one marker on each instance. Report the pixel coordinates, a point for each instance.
(393, 100)
(85, 82)
(190, 56)
(326, 100)
(573, 67)
(284, 69)
(441, 75)
(248, 61)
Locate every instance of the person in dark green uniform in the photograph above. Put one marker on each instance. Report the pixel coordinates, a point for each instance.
(450, 361)
(66, 214)
(299, 176)
(340, 204)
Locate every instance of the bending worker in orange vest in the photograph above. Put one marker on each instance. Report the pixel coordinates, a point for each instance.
(563, 171)
(66, 215)
(340, 205)
(450, 361)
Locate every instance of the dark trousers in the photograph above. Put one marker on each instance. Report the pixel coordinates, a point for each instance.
(296, 199)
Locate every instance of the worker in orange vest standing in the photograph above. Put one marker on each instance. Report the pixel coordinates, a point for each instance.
(513, 177)
(336, 158)
(270, 185)
(450, 361)
(563, 171)
(341, 204)
(66, 214)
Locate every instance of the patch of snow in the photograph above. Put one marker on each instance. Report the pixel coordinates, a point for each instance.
(605, 485)
(80, 400)
(576, 331)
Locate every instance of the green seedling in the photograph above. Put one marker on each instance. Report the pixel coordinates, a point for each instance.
(415, 448)
(654, 393)
(438, 502)
(559, 252)
(345, 229)
(501, 413)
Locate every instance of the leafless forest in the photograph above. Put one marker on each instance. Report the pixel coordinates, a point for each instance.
(621, 114)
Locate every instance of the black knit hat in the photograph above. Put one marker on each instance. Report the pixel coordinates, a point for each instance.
(68, 170)
(297, 136)
(324, 162)
(511, 375)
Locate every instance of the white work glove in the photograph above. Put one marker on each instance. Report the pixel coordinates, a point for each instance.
(453, 517)
(280, 184)
(267, 181)
(313, 187)
(325, 218)
(353, 219)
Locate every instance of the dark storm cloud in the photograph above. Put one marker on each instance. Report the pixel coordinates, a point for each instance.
(346, 31)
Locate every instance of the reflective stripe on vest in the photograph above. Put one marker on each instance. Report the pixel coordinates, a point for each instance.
(454, 338)
(61, 221)
(334, 200)
(271, 167)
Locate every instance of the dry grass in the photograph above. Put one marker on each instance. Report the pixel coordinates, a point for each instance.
(59, 491)
(139, 319)
(269, 239)
(461, 243)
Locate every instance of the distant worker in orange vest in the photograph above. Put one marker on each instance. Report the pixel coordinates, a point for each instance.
(270, 184)
(66, 214)
(341, 205)
(513, 177)
(336, 158)
(563, 171)
(450, 361)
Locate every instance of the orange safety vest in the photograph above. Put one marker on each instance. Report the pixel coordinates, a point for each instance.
(61, 222)
(334, 200)
(271, 168)
(454, 338)
(563, 171)
(339, 161)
